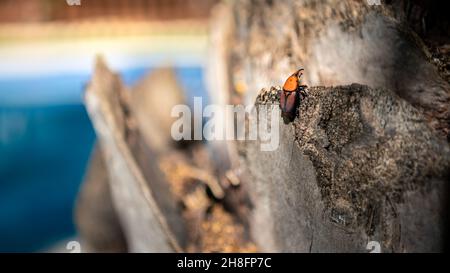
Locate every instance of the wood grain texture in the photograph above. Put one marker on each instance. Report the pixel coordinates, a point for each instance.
(359, 164)
(362, 162)
(148, 212)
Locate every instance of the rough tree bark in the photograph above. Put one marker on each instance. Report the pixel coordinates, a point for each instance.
(359, 164)
(362, 162)
(339, 42)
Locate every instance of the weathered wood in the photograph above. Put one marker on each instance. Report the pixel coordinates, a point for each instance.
(224, 152)
(151, 102)
(148, 212)
(151, 163)
(359, 164)
(338, 43)
(382, 167)
(218, 83)
(96, 218)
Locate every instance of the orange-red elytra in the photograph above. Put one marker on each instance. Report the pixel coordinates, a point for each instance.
(293, 90)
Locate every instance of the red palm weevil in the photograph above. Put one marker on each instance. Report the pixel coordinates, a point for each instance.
(293, 91)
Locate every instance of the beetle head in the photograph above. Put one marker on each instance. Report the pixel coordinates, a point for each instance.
(299, 75)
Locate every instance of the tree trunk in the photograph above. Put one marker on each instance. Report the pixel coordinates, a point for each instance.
(358, 165)
(361, 162)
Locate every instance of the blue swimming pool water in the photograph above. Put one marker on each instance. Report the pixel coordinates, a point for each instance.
(45, 142)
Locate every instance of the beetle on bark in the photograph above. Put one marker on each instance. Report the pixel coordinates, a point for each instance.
(293, 92)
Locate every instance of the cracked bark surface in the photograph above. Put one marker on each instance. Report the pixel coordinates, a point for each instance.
(340, 43)
(357, 165)
(366, 161)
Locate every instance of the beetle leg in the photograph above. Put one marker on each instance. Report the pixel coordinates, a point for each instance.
(302, 91)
